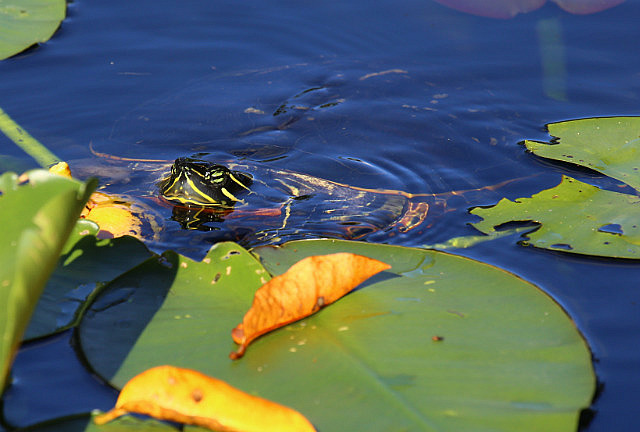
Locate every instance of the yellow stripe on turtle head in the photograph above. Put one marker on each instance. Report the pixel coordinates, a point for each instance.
(232, 177)
(229, 195)
(206, 197)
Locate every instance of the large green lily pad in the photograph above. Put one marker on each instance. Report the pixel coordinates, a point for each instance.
(35, 221)
(27, 22)
(505, 356)
(573, 217)
(86, 264)
(162, 301)
(610, 145)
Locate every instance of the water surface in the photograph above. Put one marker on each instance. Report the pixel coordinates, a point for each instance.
(410, 96)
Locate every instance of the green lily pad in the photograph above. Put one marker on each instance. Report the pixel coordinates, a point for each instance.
(164, 299)
(35, 221)
(610, 145)
(85, 265)
(439, 342)
(27, 22)
(572, 217)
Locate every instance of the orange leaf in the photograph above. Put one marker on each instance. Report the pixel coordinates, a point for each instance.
(189, 397)
(114, 215)
(309, 285)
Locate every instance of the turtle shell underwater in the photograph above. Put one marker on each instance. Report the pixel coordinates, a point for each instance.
(277, 203)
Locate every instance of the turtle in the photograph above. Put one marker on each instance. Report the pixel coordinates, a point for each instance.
(248, 196)
(261, 204)
(203, 192)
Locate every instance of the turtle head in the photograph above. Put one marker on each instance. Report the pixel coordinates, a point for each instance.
(197, 183)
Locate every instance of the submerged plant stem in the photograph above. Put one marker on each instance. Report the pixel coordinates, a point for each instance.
(26, 142)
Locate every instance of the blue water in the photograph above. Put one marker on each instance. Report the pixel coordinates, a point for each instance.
(409, 95)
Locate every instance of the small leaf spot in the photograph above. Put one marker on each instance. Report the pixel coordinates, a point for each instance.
(319, 304)
(196, 395)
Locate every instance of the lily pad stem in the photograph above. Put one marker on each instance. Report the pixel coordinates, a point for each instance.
(26, 142)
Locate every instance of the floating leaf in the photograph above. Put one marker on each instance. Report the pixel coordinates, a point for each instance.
(27, 22)
(610, 145)
(180, 295)
(510, 360)
(573, 217)
(189, 397)
(36, 219)
(305, 288)
(116, 215)
(85, 264)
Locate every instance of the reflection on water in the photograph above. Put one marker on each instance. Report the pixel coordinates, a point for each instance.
(345, 123)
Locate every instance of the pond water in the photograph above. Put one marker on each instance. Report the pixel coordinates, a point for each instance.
(409, 96)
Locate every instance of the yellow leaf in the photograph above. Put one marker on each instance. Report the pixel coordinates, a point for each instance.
(114, 216)
(62, 169)
(189, 397)
(309, 285)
